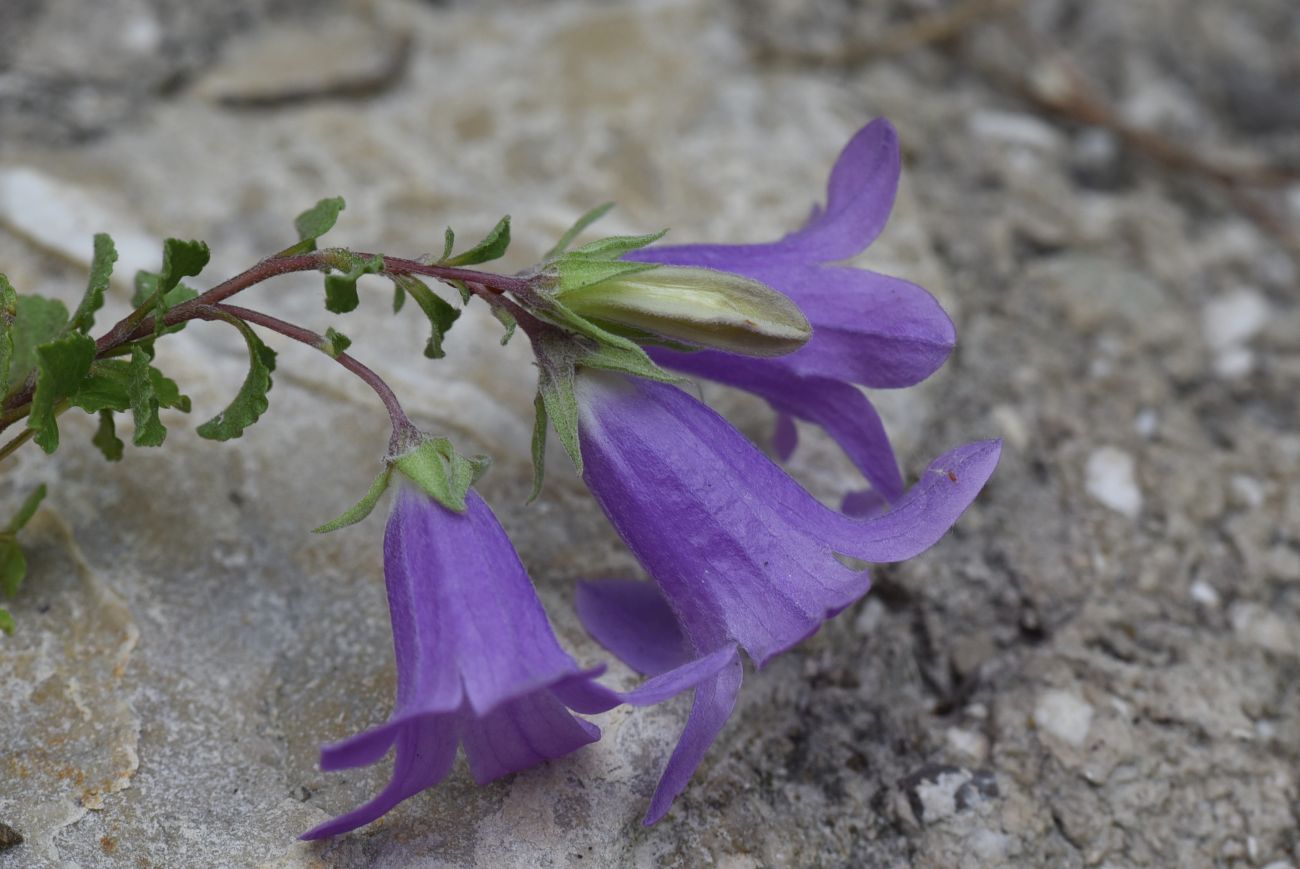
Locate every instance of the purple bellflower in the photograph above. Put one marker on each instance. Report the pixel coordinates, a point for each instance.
(868, 328)
(742, 556)
(477, 661)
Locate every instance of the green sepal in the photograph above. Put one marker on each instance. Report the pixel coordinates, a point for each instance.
(37, 321)
(506, 319)
(576, 273)
(578, 226)
(8, 316)
(440, 472)
(493, 246)
(61, 365)
(615, 246)
(315, 222)
(441, 313)
(611, 352)
(13, 566)
(335, 343)
(251, 402)
(6, 621)
(540, 425)
(556, 360)
(362, 508)
(106, 438)
(26, 511)
(341, 289)
(101, 271)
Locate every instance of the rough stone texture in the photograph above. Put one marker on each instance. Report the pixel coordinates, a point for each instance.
(1059, 683)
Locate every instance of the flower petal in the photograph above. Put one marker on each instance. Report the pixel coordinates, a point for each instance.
(426, 748)
(860, 195)
(714, 701)
(632, 620)
(522, 733)
(464, 611)
(742, 552)
(840, 408)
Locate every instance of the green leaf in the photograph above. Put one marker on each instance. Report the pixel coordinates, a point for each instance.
(316, 221)
(61, 366)
(106, 437)
(493, 246)
(163, 291)
(13, 566)
(539, 446)
(440, 472)
(149, 430)
(399, 297)
(335, 343)
(106, 387)
(555, 372)
(441, 313)
(508, 320)
(341, 289)
(448, 242)
(6, 621)
(579, 225)
(362, 508)
(26, 511)
(616, 246)
(101, 270)
(8, 315)
(251, 402)
(146, 286)
(38, 321)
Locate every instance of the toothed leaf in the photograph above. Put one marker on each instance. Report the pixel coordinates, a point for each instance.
(61, 365)
(251, 402)
(493, 246)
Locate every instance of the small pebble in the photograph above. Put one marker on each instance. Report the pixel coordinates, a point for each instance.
(1065, 715)
(1109, 479)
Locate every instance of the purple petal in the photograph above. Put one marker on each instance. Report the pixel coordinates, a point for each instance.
(426, 748)
(863, 504)
(840, 408)
(522, 733)
(714, 701)
(588, 697)
(633, 621)
(860, 195)
(465, 616)
(742, 553)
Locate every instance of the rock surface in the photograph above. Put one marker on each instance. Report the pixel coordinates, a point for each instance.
(1070, 679)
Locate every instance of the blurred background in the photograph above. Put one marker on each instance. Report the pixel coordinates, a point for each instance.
(1098, 666)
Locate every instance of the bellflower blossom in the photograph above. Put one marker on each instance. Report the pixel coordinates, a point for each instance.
(477, 661)
(742, 555)
(868, 328)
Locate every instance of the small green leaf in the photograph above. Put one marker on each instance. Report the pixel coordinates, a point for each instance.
(6, 621)
(335, 343)
(441, 313)
(579, 225)
(341, 289)
(399, 297)
(362, 508)
(440, 472)
(106, 437)
(317, 220)
(616, 246)
(577, 273)
(61, 366)
(508, 320)
(13, 566)
(101, 271)
(38, 321)
(251, 402)
(149, 430)
(493, 246)
(8, 315)
(26, 511)
(181, 259)
(539, 446)
(448, 242)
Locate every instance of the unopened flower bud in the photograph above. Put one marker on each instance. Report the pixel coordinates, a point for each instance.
(697, 306)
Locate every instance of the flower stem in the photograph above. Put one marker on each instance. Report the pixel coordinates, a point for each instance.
(403, 428)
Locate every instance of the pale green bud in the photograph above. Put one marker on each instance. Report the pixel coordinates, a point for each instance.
(696, 306)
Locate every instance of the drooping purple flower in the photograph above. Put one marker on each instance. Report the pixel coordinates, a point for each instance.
(742, 555)
(868, 328)
(477, 661)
